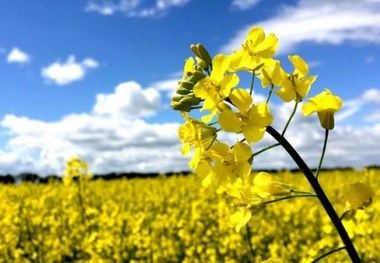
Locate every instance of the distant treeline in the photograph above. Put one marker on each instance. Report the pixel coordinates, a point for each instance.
(35, 178)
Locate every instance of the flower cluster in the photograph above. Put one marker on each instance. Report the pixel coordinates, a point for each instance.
(76, 169)
(212, 86)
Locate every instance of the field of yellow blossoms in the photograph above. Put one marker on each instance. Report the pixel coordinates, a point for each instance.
(174, 219)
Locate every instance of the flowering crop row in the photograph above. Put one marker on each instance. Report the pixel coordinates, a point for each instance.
(175, 220)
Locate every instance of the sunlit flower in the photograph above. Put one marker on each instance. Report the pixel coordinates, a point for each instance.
(195, 134)
(325, 105)
(225, 164)
(265, 185)
(358, 195)
(246, 201)
(293, 86)
(76, 169)
(251, 119)
(216, 87)
(255, 50)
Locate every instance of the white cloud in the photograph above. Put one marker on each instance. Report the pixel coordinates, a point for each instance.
(114, 138)
(133, 8)
(69, 71)
(371, 96)
(18, 56)
(129, 100)
(329, 21)
(244, 4)
(167, 86)
(110, 138)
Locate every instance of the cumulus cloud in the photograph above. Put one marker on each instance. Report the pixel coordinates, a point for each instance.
(18, 56)
(244, 4)
(130, 100)
(69, 71)
(113, 137)
(314, 21)
(133, 8)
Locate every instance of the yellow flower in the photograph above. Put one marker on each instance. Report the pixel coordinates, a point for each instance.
(265, 186)
(225, 164)
(247, 202)
(194, 133)
(216, 87)
(325, 104)
(358, 195)
(293, 86)
(76, 169)
(255, 50)
(251, 119)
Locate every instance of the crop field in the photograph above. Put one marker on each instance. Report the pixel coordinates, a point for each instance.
(175, 219)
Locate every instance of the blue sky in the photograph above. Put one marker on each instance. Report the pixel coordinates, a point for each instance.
(94, 78)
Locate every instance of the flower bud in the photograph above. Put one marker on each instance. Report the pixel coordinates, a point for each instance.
(182, 91)
(266, 186)
(186, 84)
(201, 52)
(179, 106)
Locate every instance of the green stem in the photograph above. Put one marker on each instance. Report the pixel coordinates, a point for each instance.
(290, 118)
(301, 192)
(249, 237)
(81, 201)
(289, 197)
(266, 149)
(252, 82)
(319, 192)
(328, 253)
(323, 153)
(344, 215)
(270, 93)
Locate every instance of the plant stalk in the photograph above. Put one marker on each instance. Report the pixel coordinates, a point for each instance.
(353, 254)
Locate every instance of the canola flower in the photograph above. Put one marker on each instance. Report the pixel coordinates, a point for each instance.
(237, 113)
(171, 219)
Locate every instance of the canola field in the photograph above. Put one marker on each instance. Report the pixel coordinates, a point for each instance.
(175, 219)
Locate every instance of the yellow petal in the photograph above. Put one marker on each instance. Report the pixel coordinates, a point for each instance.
(241, 99)
(268, 47)
(358, 194)
(256, 35)
(220, 65)
(308, 108)
(227, 83)
(301, 68)
(253, 133)
(229, 122)
(242, 152)
(240, 218)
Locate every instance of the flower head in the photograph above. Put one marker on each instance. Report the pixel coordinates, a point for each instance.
(293, 86)
(255, 50)
(76, 169)
(325, 104)
(251, 119)
(224, 164)
(246, 200)
(196, 134)
(358, 195)
(216, 87)
(266, 186)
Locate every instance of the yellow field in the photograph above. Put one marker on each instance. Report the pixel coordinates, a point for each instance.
(174, 220)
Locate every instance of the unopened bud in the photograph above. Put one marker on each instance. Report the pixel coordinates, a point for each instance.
(181, 107)
(182, 91)
(177, 98)
(201, 52)
(197, 76)
(190, 100)
(186, 84)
